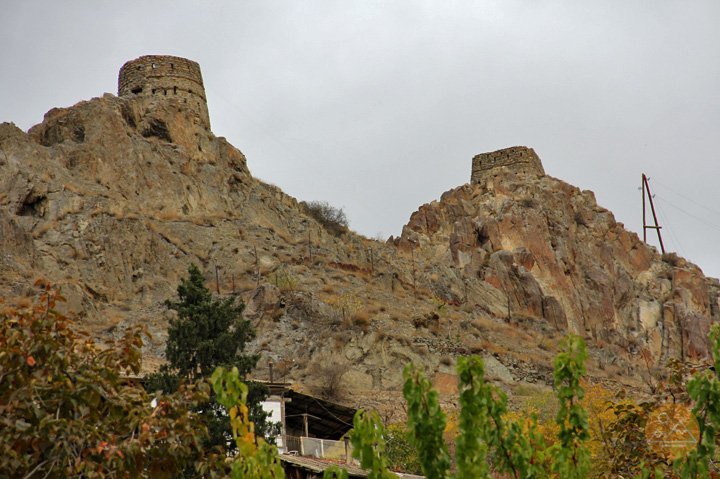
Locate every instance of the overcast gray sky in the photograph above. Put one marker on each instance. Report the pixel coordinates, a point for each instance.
(378, 107)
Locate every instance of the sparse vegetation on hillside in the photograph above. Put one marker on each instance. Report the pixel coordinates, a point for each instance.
(331, 218)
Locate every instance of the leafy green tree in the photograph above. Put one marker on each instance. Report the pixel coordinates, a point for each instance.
(486, 437)
(400, 453)
(256, 458)
(207, 334)
(68, 409)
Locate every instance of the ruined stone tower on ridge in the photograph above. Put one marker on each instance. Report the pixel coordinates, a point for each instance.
(520, 159)
(154, 77)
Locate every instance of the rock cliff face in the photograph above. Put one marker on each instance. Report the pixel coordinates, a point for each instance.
(112, 199)
(555, 254)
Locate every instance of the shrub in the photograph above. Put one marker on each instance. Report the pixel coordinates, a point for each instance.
(331, 218)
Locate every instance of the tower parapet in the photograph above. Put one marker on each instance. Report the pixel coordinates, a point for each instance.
(520, 159)
(154, 77)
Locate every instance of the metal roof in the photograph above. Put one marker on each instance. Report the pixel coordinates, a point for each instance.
(326, 420)
(318, 466)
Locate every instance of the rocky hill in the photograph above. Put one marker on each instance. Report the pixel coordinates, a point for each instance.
(112, 199)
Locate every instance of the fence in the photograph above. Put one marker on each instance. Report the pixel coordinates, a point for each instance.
(320, 448)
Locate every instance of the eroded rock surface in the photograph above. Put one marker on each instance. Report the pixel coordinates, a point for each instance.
(112, 199)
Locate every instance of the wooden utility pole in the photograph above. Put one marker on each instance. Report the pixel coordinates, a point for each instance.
(309, 247)
(646, 187)
(217, 279)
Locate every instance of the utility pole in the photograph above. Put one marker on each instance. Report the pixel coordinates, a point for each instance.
(646, 187)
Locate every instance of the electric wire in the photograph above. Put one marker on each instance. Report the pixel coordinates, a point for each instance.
(673, 237)
(687, 198)
(697, 218)
(333, 415)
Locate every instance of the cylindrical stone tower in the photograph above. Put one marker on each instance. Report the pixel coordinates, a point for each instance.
(520, 159)
(155, 77)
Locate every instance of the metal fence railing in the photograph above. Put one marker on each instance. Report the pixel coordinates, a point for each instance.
(292, 444)
(320, 448)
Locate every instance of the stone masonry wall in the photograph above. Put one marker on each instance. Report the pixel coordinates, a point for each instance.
(520, 159)
(157, 76)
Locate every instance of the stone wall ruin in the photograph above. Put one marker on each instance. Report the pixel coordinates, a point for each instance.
(154, 77)
(519, 159)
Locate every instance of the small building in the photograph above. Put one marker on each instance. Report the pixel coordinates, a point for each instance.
(314, 434)
(310, 425)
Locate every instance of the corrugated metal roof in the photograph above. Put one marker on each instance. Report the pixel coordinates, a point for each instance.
(318, 466)
(326, 420)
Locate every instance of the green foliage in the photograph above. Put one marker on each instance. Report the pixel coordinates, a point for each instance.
(282, 279)
(440, 304)
(704, 389)
(427, 422)
(517, 448)
(256, 459)
(513, 447)
(67, 408)
(331, 218)
(369, 444)
(344, 306)
(626, 450)
(206, 334)
(399, 452)
(571, 457)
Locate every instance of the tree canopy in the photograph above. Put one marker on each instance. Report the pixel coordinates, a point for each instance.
(69, 408)
(207, 333)
(210, 333)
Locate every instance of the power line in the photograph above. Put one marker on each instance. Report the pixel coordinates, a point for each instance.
(697, 218)
(673, 236)
(687, 198)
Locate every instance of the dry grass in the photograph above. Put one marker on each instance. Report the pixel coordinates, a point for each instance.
(73, 189)
(484, 324)
(476, 347)
(189, 168)
(96, 211)
(362, 321)
(130, 215)
(170, 214)
(44, 228)
(492, 347)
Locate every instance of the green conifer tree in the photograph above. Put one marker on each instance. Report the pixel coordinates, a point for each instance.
(208, 333)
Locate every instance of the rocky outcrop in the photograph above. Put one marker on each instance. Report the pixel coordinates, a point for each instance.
(112, 199)
(552, 253)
